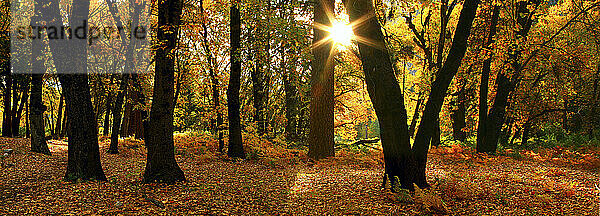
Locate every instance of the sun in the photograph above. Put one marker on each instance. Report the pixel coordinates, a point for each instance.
(341, 34)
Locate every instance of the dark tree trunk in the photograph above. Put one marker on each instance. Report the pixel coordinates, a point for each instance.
(139, 113)
(415, 116)
(36, 104)
(235, 147)
(459, 117)
(84, 156)
(37, 108)
(259, 93)
(385, 93)
(435, 137)
(126, 115)
(71, 61)
(321, 135)
(114, 136)
(65, 125)
(124, 128)
(495, 119)
(292, 112)
(160, 163)
(7, 114)
(16, 123)
(483, 88)
(27, 130)
(525, 137)
(260, 86)
(439, 89)
(107, 112)
(595, 97)
(504, 84)
(57, 129)
(15, 104)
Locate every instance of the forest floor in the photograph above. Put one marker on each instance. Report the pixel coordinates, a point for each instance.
(549, 182)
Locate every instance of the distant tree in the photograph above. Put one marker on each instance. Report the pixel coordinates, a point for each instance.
(117, 115)
(218, 121)
(321, 138)
(7, 114)
(235, 147)
(160, 163)
(129, 47)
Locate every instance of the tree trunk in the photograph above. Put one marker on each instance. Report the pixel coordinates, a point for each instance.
(160, 163)
(435, 137)
(36, 104)
(292, 112)
(126, 115)
(71, 61)
(483, 88)
(415, 116)
(37, 108)
(218, 122)
(15, 104)
(459, 118)
(235, 147)
(7, 114)
(495, 119)
(57, 129)
(594, 120)
(107, 112)
(439, 89)
(116, 127)
(321, 135)
(65, 125)
(504, 84)
(385, 93)
(16, 123)
(260, 80)
(27, 130)
(141, 122)
(525, 137)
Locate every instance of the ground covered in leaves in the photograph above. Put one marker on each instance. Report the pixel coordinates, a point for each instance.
(280, 181)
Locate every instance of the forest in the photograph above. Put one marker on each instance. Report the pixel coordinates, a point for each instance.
(300, 107)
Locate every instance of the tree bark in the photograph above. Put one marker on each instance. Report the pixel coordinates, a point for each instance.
(57, 129)
(36, 104)
(504, 84)
(415, 116)
(107, 112)
(7, 114)
(218, 122)
(27, 130)
(435, 137)
(483, 88)
(292, 112)
(37, 108)
(321, 135)
(235, 147)
(136, 123)
(439, 89)
(16, 78)
(459, 118)
(116, 127)
(71, 61)
(385, 93)
(160, 162)
(259, 74)
(16, 122)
